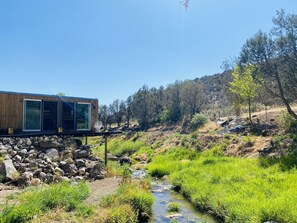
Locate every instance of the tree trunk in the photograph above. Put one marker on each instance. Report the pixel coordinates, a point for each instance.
(282, 95)
(250, 112)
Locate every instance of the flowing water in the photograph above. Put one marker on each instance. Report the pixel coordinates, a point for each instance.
(161, 190)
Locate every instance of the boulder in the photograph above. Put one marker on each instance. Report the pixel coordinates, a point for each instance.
(78, 142)
(25, 179)
(53, 154)
(80, 163)
(28, 142)
(79, 154)
(69, 169)
(112, 158)
(42, 176)
(58, 171)
(97, 172)
(82, 171)
(49, 178)
(3, 149)
(8, 170)
(17, 158)
(48, 145)
(22, 153)
(125, 160)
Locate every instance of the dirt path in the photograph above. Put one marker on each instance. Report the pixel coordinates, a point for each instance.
(100, 188)
(5, 191)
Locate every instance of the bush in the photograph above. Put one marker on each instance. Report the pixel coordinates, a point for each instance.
(173, 207)
(198, 121)
(287, 122)
(131, 194)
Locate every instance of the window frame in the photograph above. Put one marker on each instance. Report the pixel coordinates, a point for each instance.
(90, 116)
(24, 116)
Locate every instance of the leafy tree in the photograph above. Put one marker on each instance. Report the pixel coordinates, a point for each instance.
(275, 55)
(61, 94)
(243, 85)
(192, 98)
(128, 110)
(141, 106)
(173, 101)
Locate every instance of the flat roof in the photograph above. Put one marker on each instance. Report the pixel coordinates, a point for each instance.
(46, 95)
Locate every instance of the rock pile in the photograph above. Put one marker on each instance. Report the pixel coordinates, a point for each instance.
(47, 159)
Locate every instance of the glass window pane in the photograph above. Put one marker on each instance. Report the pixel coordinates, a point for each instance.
(32, 115)
(83, 116)
(50, 115)
(68, 116)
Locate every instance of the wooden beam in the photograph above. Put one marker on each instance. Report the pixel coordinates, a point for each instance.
(105, 150)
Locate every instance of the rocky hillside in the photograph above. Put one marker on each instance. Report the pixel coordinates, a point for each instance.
(29, 161)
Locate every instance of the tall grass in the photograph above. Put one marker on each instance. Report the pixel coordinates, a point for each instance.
(40, 200)
(134, 195)
(119, 147)
(234, 189)
(172, 161)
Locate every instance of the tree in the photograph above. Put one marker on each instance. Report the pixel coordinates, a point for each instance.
(243, 85)
(142, 106)
(275, 56)
(103, 115)
(128, 110)
(192, 98)
(173, 101)
(61, 94)
(117, 108)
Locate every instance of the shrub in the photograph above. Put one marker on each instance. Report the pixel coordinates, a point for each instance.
(198, 121)
(133, 194)
(173, 207)
(287, 122)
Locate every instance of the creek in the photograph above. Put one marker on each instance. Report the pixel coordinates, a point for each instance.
(163, 194)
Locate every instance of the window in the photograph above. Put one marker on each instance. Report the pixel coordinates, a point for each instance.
(32, 115)
(50, 115)
(68, 116)
(83, 116)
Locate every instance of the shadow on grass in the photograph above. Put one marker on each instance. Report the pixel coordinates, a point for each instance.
(287, 162)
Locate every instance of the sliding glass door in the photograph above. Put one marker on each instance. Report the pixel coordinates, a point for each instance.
(32, 115)
(83, 114)
(50, 112)
(68, 116)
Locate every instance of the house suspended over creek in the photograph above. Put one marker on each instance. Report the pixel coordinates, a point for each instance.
(25, 114)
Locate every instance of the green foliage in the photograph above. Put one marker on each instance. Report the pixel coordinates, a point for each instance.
(198, 121)
(243, 85)
(133, 194)
(120, 147)
(173, 207)
(40, 200)
(235, 189)
(175, 160)
(146, 150)
(287, 122)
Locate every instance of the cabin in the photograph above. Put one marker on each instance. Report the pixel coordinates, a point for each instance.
(38, 114)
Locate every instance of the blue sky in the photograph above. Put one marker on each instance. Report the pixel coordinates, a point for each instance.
(109, 49)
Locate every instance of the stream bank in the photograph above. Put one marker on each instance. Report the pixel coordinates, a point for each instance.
(164, 194)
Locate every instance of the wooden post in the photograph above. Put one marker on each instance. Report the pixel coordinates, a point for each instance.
(105, 150)
(86, 141)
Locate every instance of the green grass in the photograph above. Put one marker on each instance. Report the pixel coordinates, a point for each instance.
(133, 194)
(234, 189)
(118, 147)
(37, 201)
(172, 161)
(173, 207)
